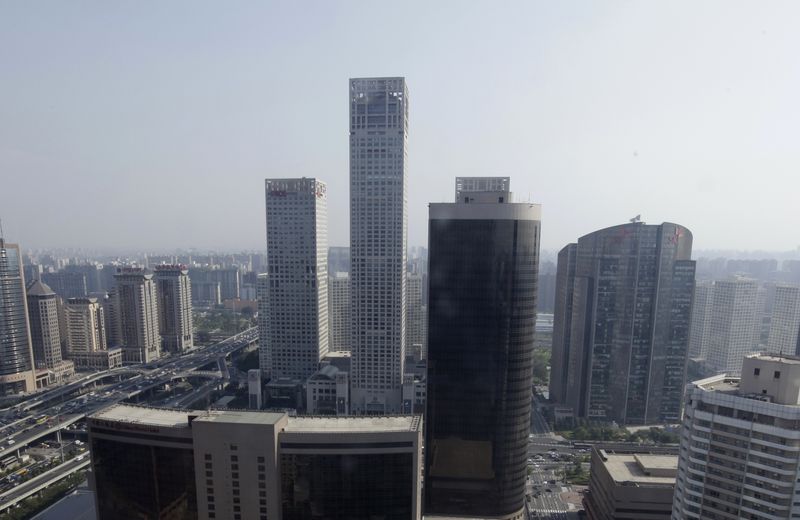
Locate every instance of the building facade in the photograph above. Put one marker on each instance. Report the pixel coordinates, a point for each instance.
(297, 263)
(339, 316)
(740, 444)
(483, 258)
(85, 325)
(16, 353)
(415, 315)
(67, 284)
(702, 311)
(784, 329)
(45, 332)
(174, 290)
(264, 347)
(562, 318)
(629, 326)
(734, 326)
(237, 465)
(378, 239)
(136, 301)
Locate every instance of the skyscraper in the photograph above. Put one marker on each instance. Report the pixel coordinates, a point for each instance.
(264, 347)
(45, 333)
(628, 330)
(297, 260)
(482, 311)
(378, 235)
(784, 330)
(702, 310)
(559, 359)
(415, 315)
(174, 307)
(339, 312)
(734, 324)
(135, 298)
(85, 324)
(16, 354)
(739, 445)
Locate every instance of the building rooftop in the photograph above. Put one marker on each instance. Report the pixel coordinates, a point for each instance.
(397, 423)
(38, 288)
(126, 413)
(640, 468)
(239, 416)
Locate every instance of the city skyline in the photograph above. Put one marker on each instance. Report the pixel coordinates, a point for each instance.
(650, 134)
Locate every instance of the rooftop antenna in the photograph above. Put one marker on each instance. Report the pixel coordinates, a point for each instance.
(637, 218)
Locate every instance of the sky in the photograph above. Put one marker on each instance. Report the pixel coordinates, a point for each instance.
(153, 124)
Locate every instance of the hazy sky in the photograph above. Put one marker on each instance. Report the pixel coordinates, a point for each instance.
(153, 124)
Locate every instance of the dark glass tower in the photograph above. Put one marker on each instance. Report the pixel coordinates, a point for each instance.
(627, 324)
(16, 354)
(482, 311)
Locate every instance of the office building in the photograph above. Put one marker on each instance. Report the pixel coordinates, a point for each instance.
(328, 392)
(85, 331)
(482, 312)
(45, 333)
(378, 237)
(415, 314)
(631, 484)
(67, 284)
(264, 347)
(228, 279)
(631, 303)
(734, 326)
(559, 358)
(784, 329)
(174, 290)
(135, 303)
(156, 463)
(297, 260)
(740, 444)
(339, 315)
(16, 353)
(113, 320)
(702, 310)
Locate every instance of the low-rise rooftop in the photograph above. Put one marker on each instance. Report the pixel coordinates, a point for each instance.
(125, 413)
(398, 423)
(641, 469)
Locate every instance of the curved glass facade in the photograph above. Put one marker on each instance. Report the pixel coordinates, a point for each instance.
(482, 313)
(16, 356)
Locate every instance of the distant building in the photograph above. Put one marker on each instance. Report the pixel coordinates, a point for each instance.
(633, 484)
(205, 293)
(297, 248)
(67, 284)
(339, 316)
(734, 326)
(174, 292)
(136, 298)
(415, 314)
(621, 326)
(45, 333)
(16, 362)
(784, 331)
(378, 241)
(740, 446)
(92, 273)
(482, 312)
(228, 279)
(702, 310)
(253, 465)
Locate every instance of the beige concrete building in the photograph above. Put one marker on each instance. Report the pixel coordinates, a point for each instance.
(85, 325)
(45, 332)
(235, 465)
(633, 485)
(740, 446)
(174, 291)
(136, 302)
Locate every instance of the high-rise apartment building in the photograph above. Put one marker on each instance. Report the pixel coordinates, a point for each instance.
(415, 314)
(174, 291)
(248, 465)
(135, 300)
(339, 316)
(734, 324)
(484, 254)
(740, 445)
(45, 332)
(784, 329)
(631, 301)
(16, 353)
(702, 309)
(378, 236)
(297, 260)
(85, 331)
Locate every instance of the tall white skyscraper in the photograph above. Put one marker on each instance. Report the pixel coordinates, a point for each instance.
(734, 322)
(378, 235)
(174, 307)
(784, 330)
(297, 260)
(339, 312)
